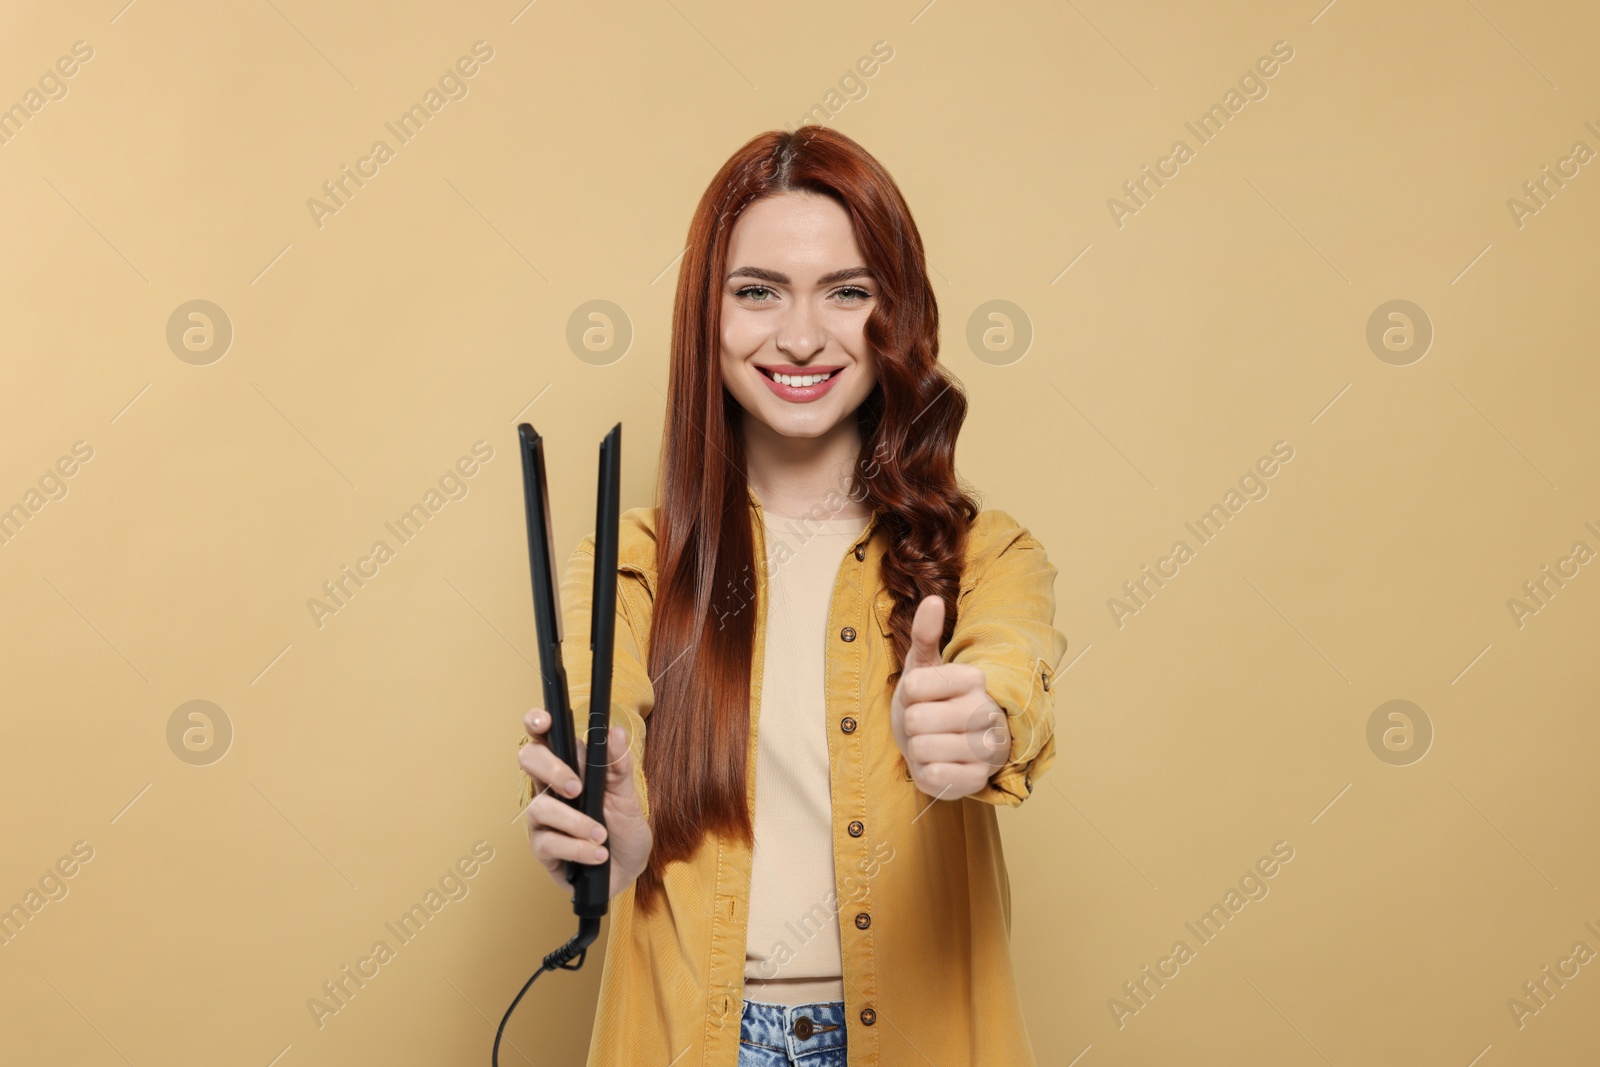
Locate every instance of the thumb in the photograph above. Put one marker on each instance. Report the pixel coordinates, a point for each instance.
(619, 758)
(619, 773)
(927, 626)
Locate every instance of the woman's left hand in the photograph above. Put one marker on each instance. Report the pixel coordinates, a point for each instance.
(950, 731)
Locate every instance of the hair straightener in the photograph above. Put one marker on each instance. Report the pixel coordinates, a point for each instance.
(591, 882)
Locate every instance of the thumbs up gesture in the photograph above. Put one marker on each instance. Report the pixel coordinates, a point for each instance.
(950, 731)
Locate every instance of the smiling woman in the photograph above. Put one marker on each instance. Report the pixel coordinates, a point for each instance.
(805, 844)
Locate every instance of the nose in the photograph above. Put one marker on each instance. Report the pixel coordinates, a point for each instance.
(800, 335)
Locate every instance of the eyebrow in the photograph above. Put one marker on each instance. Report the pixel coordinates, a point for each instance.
(779, 278)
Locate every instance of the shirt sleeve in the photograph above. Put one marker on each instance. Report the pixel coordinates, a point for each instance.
(1006, 626)
(632, 694)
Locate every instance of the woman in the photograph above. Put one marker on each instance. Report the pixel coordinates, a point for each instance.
(844, 666)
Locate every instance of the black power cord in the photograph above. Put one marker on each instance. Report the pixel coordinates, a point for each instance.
(562, 958)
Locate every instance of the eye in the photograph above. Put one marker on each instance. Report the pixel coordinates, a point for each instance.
(747, 290)
(862, 294)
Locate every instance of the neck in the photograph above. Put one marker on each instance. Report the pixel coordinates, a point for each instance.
(800, 477)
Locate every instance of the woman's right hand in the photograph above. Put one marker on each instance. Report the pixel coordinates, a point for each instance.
(560, 832)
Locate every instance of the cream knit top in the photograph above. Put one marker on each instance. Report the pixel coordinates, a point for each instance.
(792, 951)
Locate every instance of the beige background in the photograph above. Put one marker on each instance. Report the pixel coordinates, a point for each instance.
(368, 354)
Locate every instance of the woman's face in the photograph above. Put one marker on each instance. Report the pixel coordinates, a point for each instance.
(795, 303)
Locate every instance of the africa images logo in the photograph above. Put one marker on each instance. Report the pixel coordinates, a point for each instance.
(452, 85)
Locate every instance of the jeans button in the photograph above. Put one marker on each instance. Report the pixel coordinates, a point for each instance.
(802, 1028)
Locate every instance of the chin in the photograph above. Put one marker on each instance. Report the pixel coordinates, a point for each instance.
(807, 427)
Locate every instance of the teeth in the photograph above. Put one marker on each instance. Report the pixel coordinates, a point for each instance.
(800, 379)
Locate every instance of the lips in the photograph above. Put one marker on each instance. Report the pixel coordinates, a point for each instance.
(800, 394)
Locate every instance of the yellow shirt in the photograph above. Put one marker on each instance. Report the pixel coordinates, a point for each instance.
(923, 899)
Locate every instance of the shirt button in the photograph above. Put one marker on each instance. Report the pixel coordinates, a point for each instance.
(1047, 682)
(868, 1016)
(847, 724)
(848, 633)
(861, 552)
(856, 828)
(863, 920)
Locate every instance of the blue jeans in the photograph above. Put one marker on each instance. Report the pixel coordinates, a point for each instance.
(805, 1035)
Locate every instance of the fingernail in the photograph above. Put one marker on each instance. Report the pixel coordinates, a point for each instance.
(598, 833)
(573, 787)
(599, 853)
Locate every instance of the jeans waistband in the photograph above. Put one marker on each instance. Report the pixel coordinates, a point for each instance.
(796, 1029)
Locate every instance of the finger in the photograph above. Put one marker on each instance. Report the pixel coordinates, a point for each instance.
(548, 769)
(977, 747)
(550, 813)
(553, 866)
(961, 714)
(927, 626)
(943, 681)
(952, 780)
(552, 845)
(537, 722)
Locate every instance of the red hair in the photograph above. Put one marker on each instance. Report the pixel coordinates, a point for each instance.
(700, 650)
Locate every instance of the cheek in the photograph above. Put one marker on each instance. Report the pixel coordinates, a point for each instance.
(730, 360)
(866, 378)
(741, 334)
(855, 339)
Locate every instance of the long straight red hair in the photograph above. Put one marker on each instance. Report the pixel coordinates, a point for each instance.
(701, 639)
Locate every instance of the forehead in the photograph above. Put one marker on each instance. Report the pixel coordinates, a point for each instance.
(801, 234)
